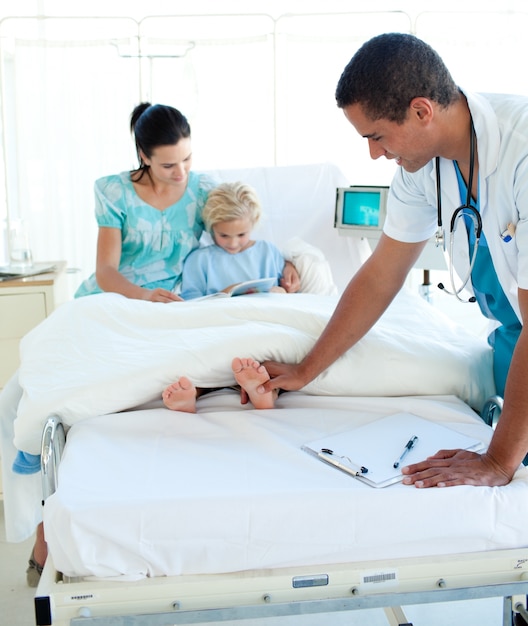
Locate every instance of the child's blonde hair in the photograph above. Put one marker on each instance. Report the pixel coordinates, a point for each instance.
(231, 201)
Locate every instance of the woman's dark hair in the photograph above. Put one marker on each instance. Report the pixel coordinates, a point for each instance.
(156, 125)
(389, 71)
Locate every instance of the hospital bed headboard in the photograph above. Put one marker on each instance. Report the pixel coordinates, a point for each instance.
(299, 201)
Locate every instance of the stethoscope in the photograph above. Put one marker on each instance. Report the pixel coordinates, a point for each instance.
(465, 209)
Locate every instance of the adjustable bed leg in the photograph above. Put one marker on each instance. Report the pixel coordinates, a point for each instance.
(520, 617)
(396, 616)
(53, 440)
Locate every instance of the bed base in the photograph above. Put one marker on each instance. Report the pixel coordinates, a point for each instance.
(191, 599)
(390, 584)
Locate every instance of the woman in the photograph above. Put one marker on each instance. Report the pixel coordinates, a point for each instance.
(150, 218)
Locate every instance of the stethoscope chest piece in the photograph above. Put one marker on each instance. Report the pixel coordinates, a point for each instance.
(440, 239)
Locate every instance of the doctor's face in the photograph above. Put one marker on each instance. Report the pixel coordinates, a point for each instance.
(406, 143)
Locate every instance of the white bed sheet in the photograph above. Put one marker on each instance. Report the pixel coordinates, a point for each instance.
(107, 353)
(155, 492)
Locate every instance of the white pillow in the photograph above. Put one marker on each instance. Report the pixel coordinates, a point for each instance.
(314, 270)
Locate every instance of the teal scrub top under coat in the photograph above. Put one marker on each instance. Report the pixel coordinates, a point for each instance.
(491, 299)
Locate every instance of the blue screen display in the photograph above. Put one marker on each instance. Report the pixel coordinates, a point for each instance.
(361, 208)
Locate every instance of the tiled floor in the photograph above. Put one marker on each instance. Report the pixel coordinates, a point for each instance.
(16, 599)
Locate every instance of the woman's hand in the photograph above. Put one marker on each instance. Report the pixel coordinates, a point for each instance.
(161, 295)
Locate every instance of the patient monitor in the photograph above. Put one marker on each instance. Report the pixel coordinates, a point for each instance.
(360, 212)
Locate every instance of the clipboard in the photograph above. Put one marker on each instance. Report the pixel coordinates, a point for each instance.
(369, 452)
(16, 272)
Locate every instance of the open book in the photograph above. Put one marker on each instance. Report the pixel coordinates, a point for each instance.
(371, 452)
(258, 285)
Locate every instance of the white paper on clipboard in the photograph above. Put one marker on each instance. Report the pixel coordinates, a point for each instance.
(377, 445)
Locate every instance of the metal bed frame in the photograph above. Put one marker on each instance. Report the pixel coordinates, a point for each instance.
(168, 601)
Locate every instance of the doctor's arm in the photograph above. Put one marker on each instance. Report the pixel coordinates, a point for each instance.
(366, 297)
(509, 443)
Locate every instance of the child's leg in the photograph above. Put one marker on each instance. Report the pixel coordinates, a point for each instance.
(180, 396)
(249, 374)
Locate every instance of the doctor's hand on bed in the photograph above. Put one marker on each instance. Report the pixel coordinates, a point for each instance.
(448, 468)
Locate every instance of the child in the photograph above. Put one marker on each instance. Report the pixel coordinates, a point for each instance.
(249, 374)
(231, 212)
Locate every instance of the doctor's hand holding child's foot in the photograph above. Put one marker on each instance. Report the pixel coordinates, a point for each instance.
(249, 374)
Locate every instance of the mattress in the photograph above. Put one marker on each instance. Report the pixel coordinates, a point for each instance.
(152, 492)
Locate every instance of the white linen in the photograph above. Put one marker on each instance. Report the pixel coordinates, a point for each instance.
(106, 353)
(22, 493)
(315, 274)
(155, 492)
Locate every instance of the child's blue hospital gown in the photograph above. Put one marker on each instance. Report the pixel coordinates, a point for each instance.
(211, 269)
(154, 243)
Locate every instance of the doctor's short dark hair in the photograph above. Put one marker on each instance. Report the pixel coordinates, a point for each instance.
(389, 71)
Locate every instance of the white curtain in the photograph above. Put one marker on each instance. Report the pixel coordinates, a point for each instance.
(258, 90)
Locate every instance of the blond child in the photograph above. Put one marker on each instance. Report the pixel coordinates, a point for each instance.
(230, 214)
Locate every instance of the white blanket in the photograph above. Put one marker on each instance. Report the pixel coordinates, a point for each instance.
(106, 353)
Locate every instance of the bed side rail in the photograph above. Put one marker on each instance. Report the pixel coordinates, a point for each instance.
(491, 411)
(52, 446)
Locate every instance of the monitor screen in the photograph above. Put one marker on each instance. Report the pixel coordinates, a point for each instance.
(361, 209)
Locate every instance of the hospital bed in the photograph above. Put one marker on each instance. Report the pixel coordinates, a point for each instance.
(158, 517)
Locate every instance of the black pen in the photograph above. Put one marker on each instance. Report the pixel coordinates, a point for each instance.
(408, 446)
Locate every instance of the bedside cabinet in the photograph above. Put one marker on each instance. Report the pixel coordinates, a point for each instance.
(24, 303)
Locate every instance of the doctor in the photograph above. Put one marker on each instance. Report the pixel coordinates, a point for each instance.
(453, 149)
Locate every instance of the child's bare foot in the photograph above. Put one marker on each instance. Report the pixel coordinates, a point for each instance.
(180, 396)
(250, 374)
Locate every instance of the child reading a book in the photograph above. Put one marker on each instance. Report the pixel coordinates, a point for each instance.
(231, 212)
(249, 374)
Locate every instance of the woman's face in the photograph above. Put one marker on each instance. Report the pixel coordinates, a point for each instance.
(171, 164)
(233, 236)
